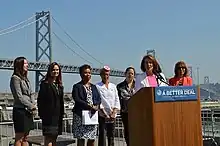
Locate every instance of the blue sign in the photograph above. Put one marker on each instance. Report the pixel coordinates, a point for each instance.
(175, 93)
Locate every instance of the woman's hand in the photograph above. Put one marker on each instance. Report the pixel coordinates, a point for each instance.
(34, 112)
(113, 114)
(95, 107)
(104, 114)
(34, 107)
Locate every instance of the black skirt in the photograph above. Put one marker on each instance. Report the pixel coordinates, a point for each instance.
(23, 120)
(52, 126)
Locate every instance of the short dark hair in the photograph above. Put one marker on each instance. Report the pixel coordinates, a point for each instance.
(156, 66)
(84, 67)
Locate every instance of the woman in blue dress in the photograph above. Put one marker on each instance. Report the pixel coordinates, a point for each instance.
(86, 97)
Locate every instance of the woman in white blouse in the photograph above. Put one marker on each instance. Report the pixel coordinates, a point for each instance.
(110, 105)
(152, 75)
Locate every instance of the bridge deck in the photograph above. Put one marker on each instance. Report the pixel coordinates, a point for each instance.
(7, 64)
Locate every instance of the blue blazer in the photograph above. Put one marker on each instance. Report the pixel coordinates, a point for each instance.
(80, 97)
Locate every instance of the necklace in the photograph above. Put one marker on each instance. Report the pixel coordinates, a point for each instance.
(56, 86)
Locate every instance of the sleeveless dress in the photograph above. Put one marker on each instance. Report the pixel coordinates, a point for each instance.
(84, 131)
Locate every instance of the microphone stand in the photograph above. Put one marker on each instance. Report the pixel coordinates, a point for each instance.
(164, 82)
(159, 77)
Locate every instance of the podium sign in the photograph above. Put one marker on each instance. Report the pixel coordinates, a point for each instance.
(175, 93)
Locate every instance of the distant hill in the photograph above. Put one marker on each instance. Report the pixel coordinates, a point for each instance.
(210, 91)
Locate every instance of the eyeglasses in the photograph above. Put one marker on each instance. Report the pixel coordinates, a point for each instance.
(181, 67)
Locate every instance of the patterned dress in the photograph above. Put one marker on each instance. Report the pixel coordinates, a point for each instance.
(84, 131)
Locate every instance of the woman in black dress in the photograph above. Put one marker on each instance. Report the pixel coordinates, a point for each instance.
(51, 105)
(24, 107)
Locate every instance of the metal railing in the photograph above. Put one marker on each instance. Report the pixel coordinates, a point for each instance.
(211, 122)
(7, 131)
(210, 128)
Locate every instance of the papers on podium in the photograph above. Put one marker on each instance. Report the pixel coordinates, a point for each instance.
(89, 119)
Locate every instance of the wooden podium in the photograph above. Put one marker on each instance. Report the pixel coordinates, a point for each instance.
(165, 116)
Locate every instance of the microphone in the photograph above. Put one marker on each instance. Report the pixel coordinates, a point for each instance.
(158, 76)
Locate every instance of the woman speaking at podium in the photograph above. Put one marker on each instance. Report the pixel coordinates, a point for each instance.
(181, 77)
(152, 75)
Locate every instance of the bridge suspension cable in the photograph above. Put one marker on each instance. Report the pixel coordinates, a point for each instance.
(162, 67)
(17, 24)
(13, 30)
(77, 44)
(71, 49)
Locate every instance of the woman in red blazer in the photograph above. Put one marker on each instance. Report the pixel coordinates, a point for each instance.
(181, 77)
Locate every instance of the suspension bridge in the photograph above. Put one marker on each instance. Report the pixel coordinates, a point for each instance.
(43, 49)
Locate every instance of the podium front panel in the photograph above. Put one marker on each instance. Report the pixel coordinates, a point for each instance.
(177, 116)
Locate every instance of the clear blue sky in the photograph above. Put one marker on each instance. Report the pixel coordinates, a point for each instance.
(118, 32)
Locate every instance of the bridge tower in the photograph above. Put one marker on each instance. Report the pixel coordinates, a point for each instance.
(206, 80)
(43, 42)
(151, 52)
(190, 71)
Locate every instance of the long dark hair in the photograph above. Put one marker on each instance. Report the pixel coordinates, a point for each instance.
(19, 67)
(50, 69)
